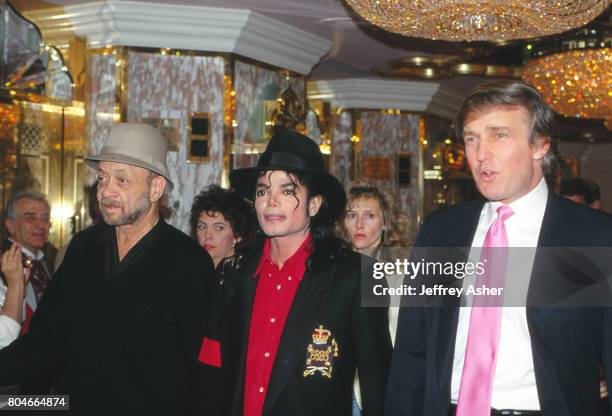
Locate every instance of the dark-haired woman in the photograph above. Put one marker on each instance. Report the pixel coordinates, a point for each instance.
(222, 222)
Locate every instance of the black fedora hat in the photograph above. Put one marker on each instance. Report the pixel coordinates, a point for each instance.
(293, 152)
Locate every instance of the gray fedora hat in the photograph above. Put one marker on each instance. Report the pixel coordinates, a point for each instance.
(137, 145)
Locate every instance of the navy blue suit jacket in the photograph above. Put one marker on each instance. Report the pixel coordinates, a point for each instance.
(567, 343)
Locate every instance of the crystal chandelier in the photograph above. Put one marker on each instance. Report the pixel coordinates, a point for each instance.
(576, 83)
(478, 20)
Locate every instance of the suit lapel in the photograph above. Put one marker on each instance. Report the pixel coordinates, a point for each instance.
(461, 233)
(302, 320)
(247, 294)
(241, 288)
(553, 233)
(554, 230)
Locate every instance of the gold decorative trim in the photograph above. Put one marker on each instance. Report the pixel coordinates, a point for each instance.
(121, 75)
(229, 114)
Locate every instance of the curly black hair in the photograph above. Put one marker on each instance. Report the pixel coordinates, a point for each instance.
(235, 209)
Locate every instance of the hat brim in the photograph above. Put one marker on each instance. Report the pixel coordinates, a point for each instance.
(93, 161)
(243, 181)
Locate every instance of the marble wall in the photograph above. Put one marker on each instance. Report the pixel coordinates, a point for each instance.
(257, 89)
(408, 142)
(171, 87)
(101, 99)
(341, 165)
(387, 135)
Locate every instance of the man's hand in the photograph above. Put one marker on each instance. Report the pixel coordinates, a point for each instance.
(16, 279)
(12, 268)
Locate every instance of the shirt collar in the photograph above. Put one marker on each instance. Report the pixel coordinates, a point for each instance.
(34, 256)
(525, 206)
(297, 259)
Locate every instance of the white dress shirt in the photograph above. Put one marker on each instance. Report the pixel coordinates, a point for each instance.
(514, 384)
(9, 330)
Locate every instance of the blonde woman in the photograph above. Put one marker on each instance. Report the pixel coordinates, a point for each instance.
(372, 222)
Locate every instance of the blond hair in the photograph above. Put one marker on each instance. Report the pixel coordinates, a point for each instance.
(396, 231)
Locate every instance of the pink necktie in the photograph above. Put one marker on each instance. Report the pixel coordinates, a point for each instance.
(485, 323)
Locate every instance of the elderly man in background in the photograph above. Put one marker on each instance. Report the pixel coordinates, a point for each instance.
(27, 222)
(128, 308)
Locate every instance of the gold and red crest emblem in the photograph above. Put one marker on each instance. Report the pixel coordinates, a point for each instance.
(320, 353)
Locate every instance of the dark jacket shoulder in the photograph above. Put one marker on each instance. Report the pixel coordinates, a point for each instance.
(450, 226)
(351, 263)
(182, 244)
(449, 213)
(578, 222)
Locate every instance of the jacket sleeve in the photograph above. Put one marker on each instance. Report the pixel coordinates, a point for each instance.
(406, 386)
(405, 390)
(205, 369)
(373, 352)
(42, 346)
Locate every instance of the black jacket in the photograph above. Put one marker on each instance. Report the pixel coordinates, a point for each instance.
(126, 337)
(566, 342)
(331, 298)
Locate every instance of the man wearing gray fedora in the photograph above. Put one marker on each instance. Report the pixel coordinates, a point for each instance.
(128, 308)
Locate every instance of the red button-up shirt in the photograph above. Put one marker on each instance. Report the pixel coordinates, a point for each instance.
(274, 296)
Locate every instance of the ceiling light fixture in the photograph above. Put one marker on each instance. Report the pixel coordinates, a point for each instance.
(575, 77)
(478, 20)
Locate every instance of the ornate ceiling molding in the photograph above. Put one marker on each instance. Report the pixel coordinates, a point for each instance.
(445, 103)
(198, 28)
(416, 96)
